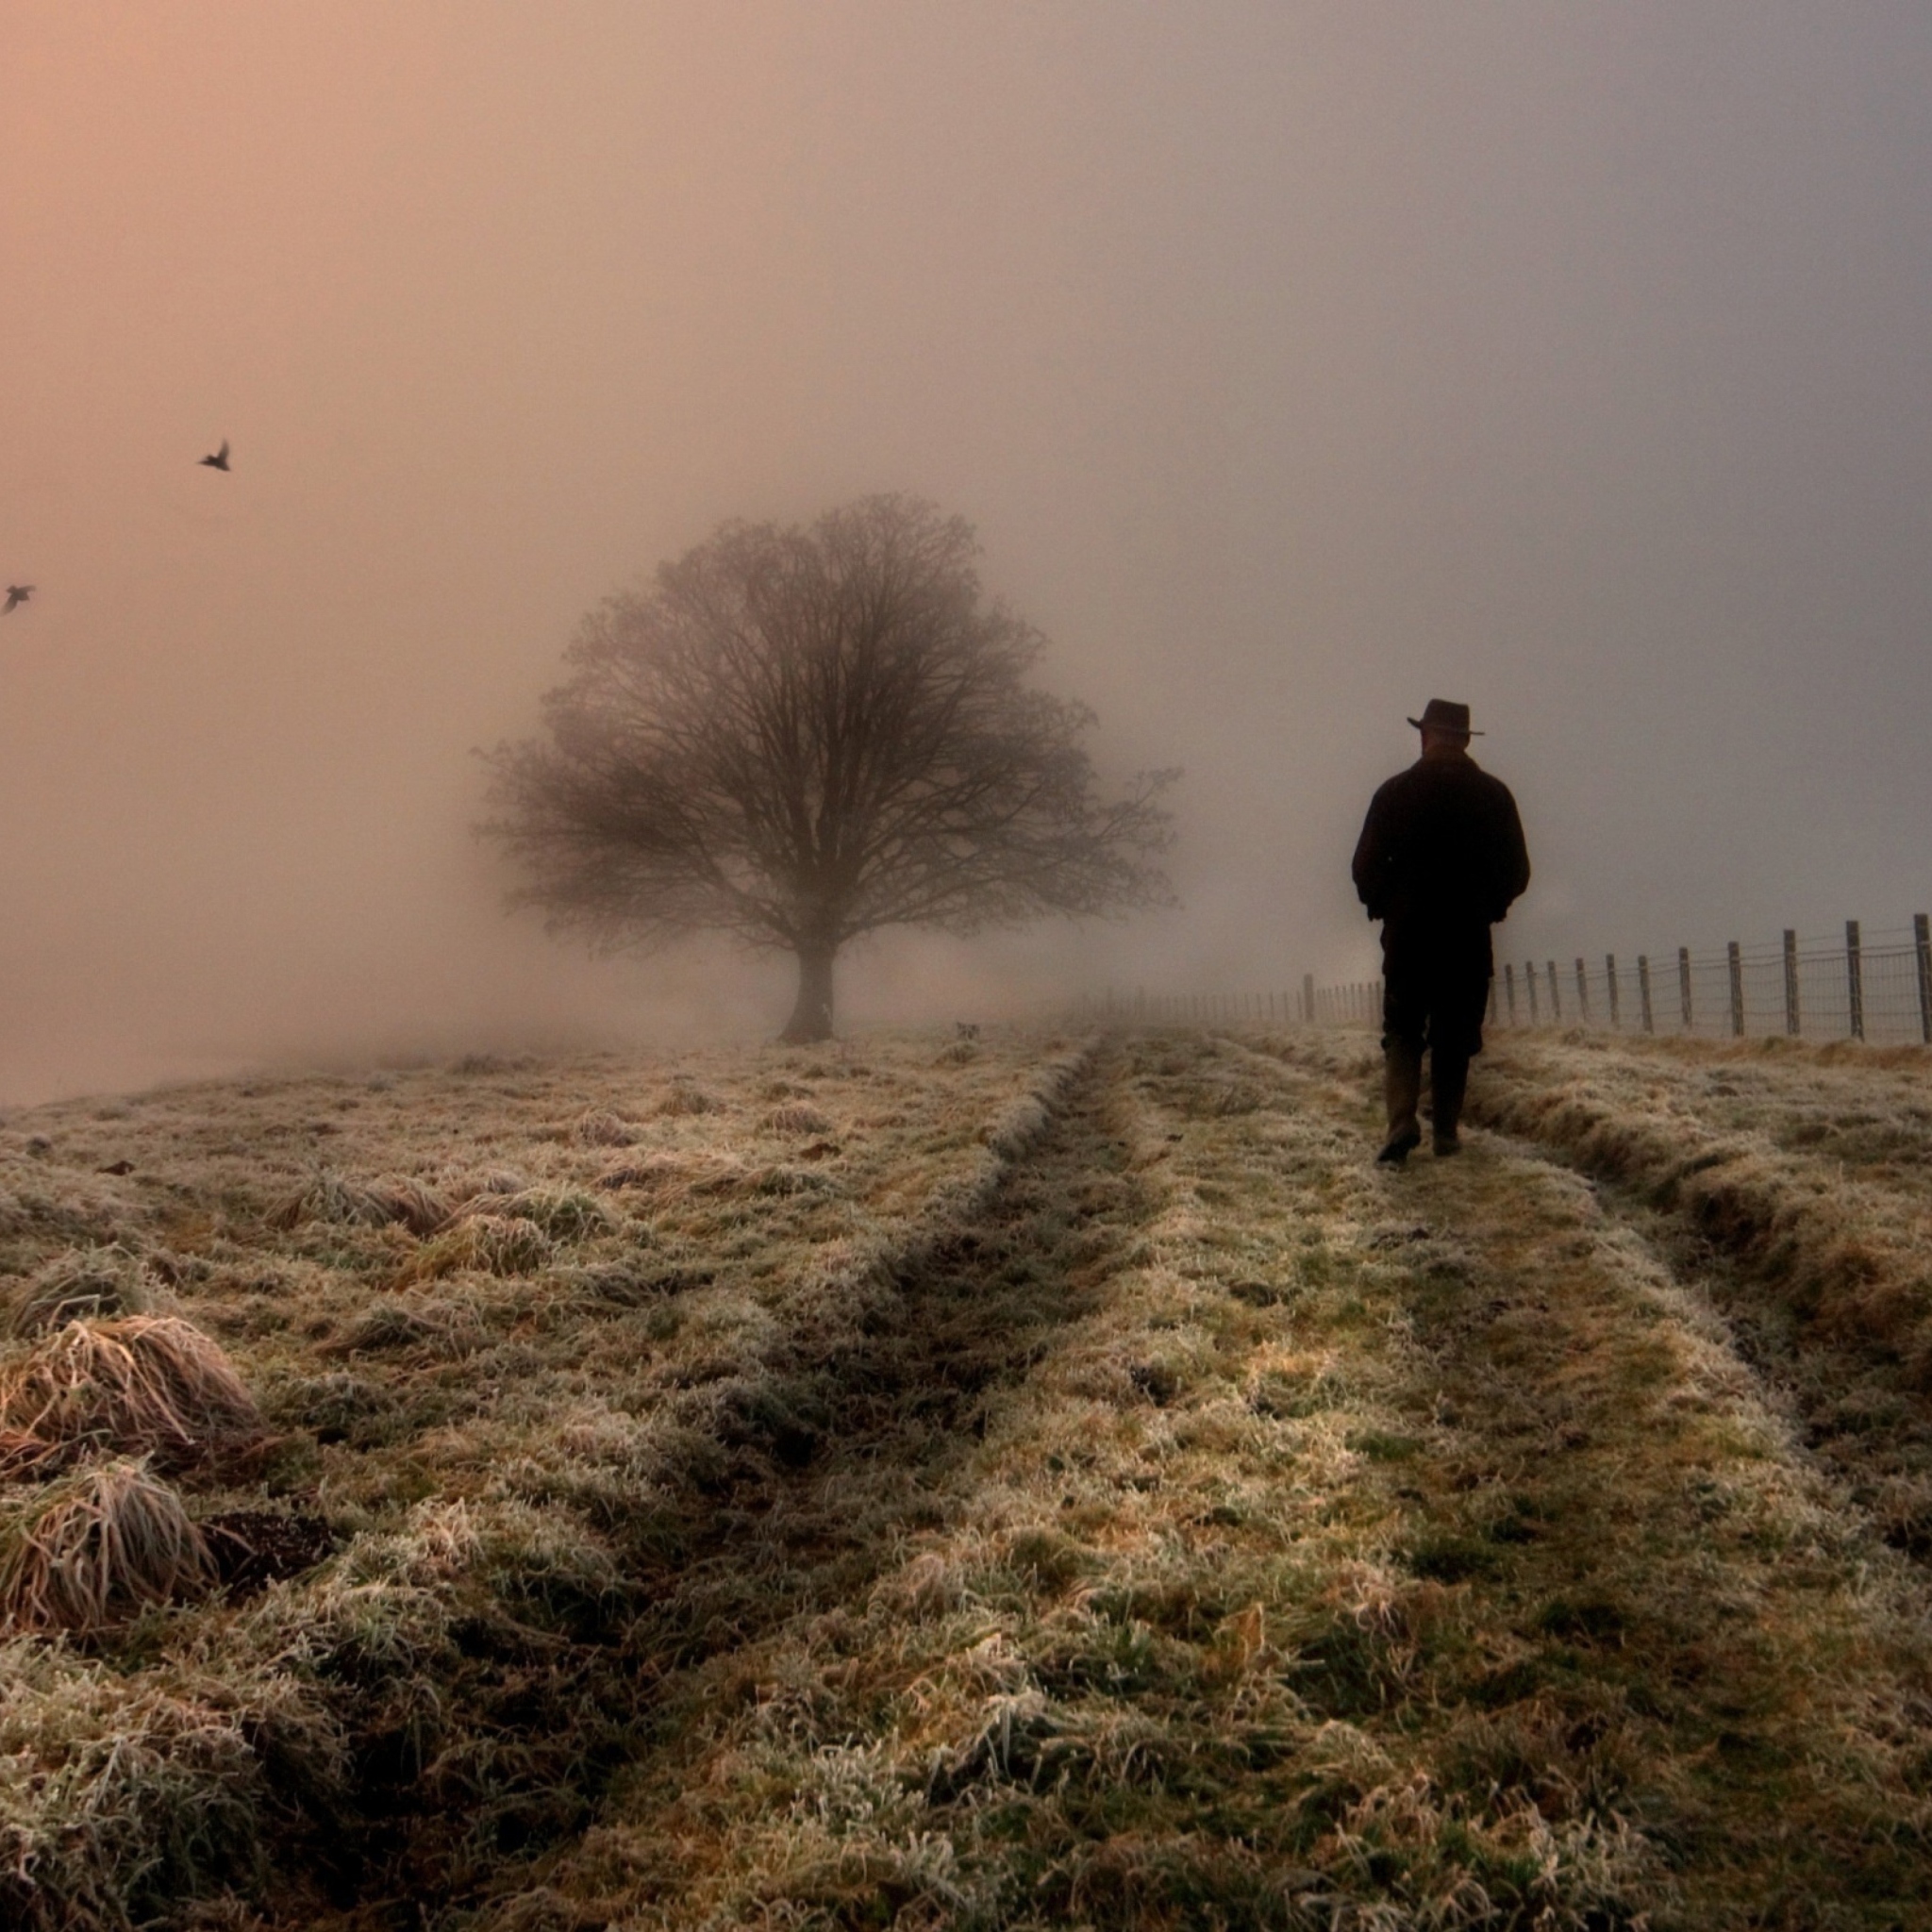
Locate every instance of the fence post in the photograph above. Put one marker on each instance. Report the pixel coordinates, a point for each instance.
(1854, 978)
(1509, 990)
(1922, 947)
(1736, 959)
(1309, 998)
(1791, 1026)
(1556, 1000)
(1684, 983)
(1644, 990)
(1582, 993)
(1610, 977)
(1529, 987)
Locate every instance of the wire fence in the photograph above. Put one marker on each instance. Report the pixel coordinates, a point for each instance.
(1873, 986)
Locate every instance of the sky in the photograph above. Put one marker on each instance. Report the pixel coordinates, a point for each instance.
(1295, 363)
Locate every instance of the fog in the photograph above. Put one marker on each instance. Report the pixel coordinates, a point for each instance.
(1295, 363)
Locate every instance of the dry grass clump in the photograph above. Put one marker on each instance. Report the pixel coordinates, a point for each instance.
(93, 1547)
(800, 1117)
(331, 1197)
(565, 1214)
(482, 1244)
(143, 1382)
(666, 1179)
(687, 1098)
(399, 1322)
(81, 1284)
(599, 1127)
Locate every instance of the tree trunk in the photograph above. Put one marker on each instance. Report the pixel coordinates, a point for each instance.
(811, 1018)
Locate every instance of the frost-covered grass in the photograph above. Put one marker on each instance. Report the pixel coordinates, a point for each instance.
(1322, 1547)
(936, 1483)
(1797, 1182)
(492, 1342)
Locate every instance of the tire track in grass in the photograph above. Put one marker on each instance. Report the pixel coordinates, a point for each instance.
(1663, 1605)
(1816, 1255)
(1152, 1650)
(1296, 1546)
(748, 1632)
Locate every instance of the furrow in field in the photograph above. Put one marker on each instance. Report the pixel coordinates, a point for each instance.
(1863, 1113)
(796, 1725)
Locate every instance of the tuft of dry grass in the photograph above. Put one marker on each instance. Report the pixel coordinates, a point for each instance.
(563, 1213)
(598, 1126)
(144, 1382)
(687, 1099)
(493, 1243)
(80, 1284)
(445, 1327)
(800, 1117)
(94, 1547)
(331, 1197)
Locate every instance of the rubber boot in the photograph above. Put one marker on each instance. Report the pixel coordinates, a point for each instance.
(1401, 1083)
(1448, 1083)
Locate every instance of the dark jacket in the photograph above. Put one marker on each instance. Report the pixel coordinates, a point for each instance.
(1442, 849)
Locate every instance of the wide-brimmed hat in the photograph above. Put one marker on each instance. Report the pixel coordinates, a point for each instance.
(1439, 714)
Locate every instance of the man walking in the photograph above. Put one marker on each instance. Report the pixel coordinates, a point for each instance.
(1439, 861)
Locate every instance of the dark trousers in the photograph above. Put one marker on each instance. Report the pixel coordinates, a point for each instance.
(1436, 990)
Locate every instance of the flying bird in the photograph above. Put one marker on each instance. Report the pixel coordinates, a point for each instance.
(17, 593)
(219, 459)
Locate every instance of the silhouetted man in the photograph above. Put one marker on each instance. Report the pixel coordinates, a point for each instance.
(1439, 861)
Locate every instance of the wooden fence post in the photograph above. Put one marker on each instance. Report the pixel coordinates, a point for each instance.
(1735, 959)
(1529, 987)
(1922, 948)
(1556, 1000)
(1309, 998)
(1509, 990)
(1582, 993)
(1684, 983)
(1610, 977)
(1644, 990)
(1854, 978)
(1791, 1026)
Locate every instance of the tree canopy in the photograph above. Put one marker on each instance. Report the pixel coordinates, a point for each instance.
(799, 736)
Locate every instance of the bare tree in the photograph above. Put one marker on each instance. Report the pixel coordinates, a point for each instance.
(799, 736)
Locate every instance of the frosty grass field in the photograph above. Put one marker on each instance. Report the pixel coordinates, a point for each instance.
(1043, 1481)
